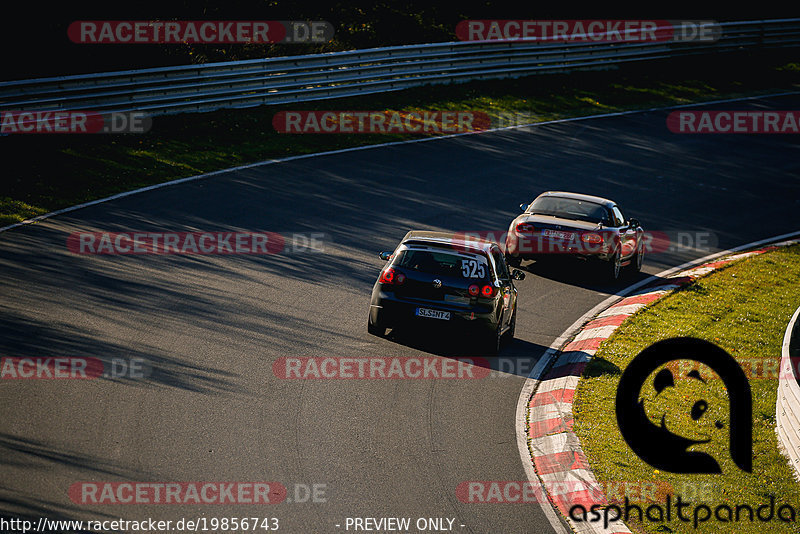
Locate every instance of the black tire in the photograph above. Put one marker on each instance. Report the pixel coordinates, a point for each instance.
(512, 327)
(492, 343)
(375, 330)
(637, 260)
(613, 268)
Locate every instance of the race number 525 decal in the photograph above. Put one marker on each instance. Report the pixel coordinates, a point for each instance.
(472, 269)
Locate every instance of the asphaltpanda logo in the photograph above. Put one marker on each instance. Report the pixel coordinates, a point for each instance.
(663, 447)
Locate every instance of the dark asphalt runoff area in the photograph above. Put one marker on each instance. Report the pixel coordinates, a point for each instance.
(210, 327)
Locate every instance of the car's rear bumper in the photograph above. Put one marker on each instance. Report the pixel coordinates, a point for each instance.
(387, 310)
(565, 257)
(520, 248)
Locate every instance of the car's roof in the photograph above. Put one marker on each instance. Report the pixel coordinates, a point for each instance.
(450, 240)
(578, 196)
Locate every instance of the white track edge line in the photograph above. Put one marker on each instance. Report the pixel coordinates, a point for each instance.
(379, 145)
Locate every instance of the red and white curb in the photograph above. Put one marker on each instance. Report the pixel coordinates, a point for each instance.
(555, 451)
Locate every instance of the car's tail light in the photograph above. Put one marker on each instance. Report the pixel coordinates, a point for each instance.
(473, 290)
(525, 228)
(487, 291)
(592, 238)
(387, 276)
(391, 277)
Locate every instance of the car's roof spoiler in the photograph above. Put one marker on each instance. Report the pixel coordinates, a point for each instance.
(462, 240)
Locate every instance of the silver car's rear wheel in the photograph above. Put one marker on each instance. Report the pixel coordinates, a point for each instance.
(639, 259)
(614, 266)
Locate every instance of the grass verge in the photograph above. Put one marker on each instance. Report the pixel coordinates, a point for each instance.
(43, 172)
(744, 308)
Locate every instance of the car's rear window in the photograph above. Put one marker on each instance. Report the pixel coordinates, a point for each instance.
(443, 263)
(570, 208)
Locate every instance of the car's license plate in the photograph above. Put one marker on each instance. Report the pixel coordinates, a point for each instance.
(433, 314)
(558, 233)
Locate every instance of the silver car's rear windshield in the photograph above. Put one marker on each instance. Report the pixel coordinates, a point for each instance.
(570, 208)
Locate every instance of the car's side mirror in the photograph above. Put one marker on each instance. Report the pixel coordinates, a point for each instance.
(385, 256)
(516, 274)
(523, 207)
(633, 222)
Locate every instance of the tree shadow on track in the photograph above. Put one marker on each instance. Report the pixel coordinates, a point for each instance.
(27, 338)
(34, 456)
(516, 357)
(584, 274)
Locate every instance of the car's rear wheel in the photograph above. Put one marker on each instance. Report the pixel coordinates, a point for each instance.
(614, 266)
(375, 330)
(512, 327)
(493, 342)
(638, 259)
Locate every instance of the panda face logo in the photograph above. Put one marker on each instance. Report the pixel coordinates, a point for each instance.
(652, 402)
(690, 401)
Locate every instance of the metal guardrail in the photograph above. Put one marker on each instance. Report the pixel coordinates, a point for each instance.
(788, 405)
(239, 84)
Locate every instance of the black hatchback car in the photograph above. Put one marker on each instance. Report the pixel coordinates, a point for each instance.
(436, 279)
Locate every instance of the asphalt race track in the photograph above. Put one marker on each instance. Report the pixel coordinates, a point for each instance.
(211, 327)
